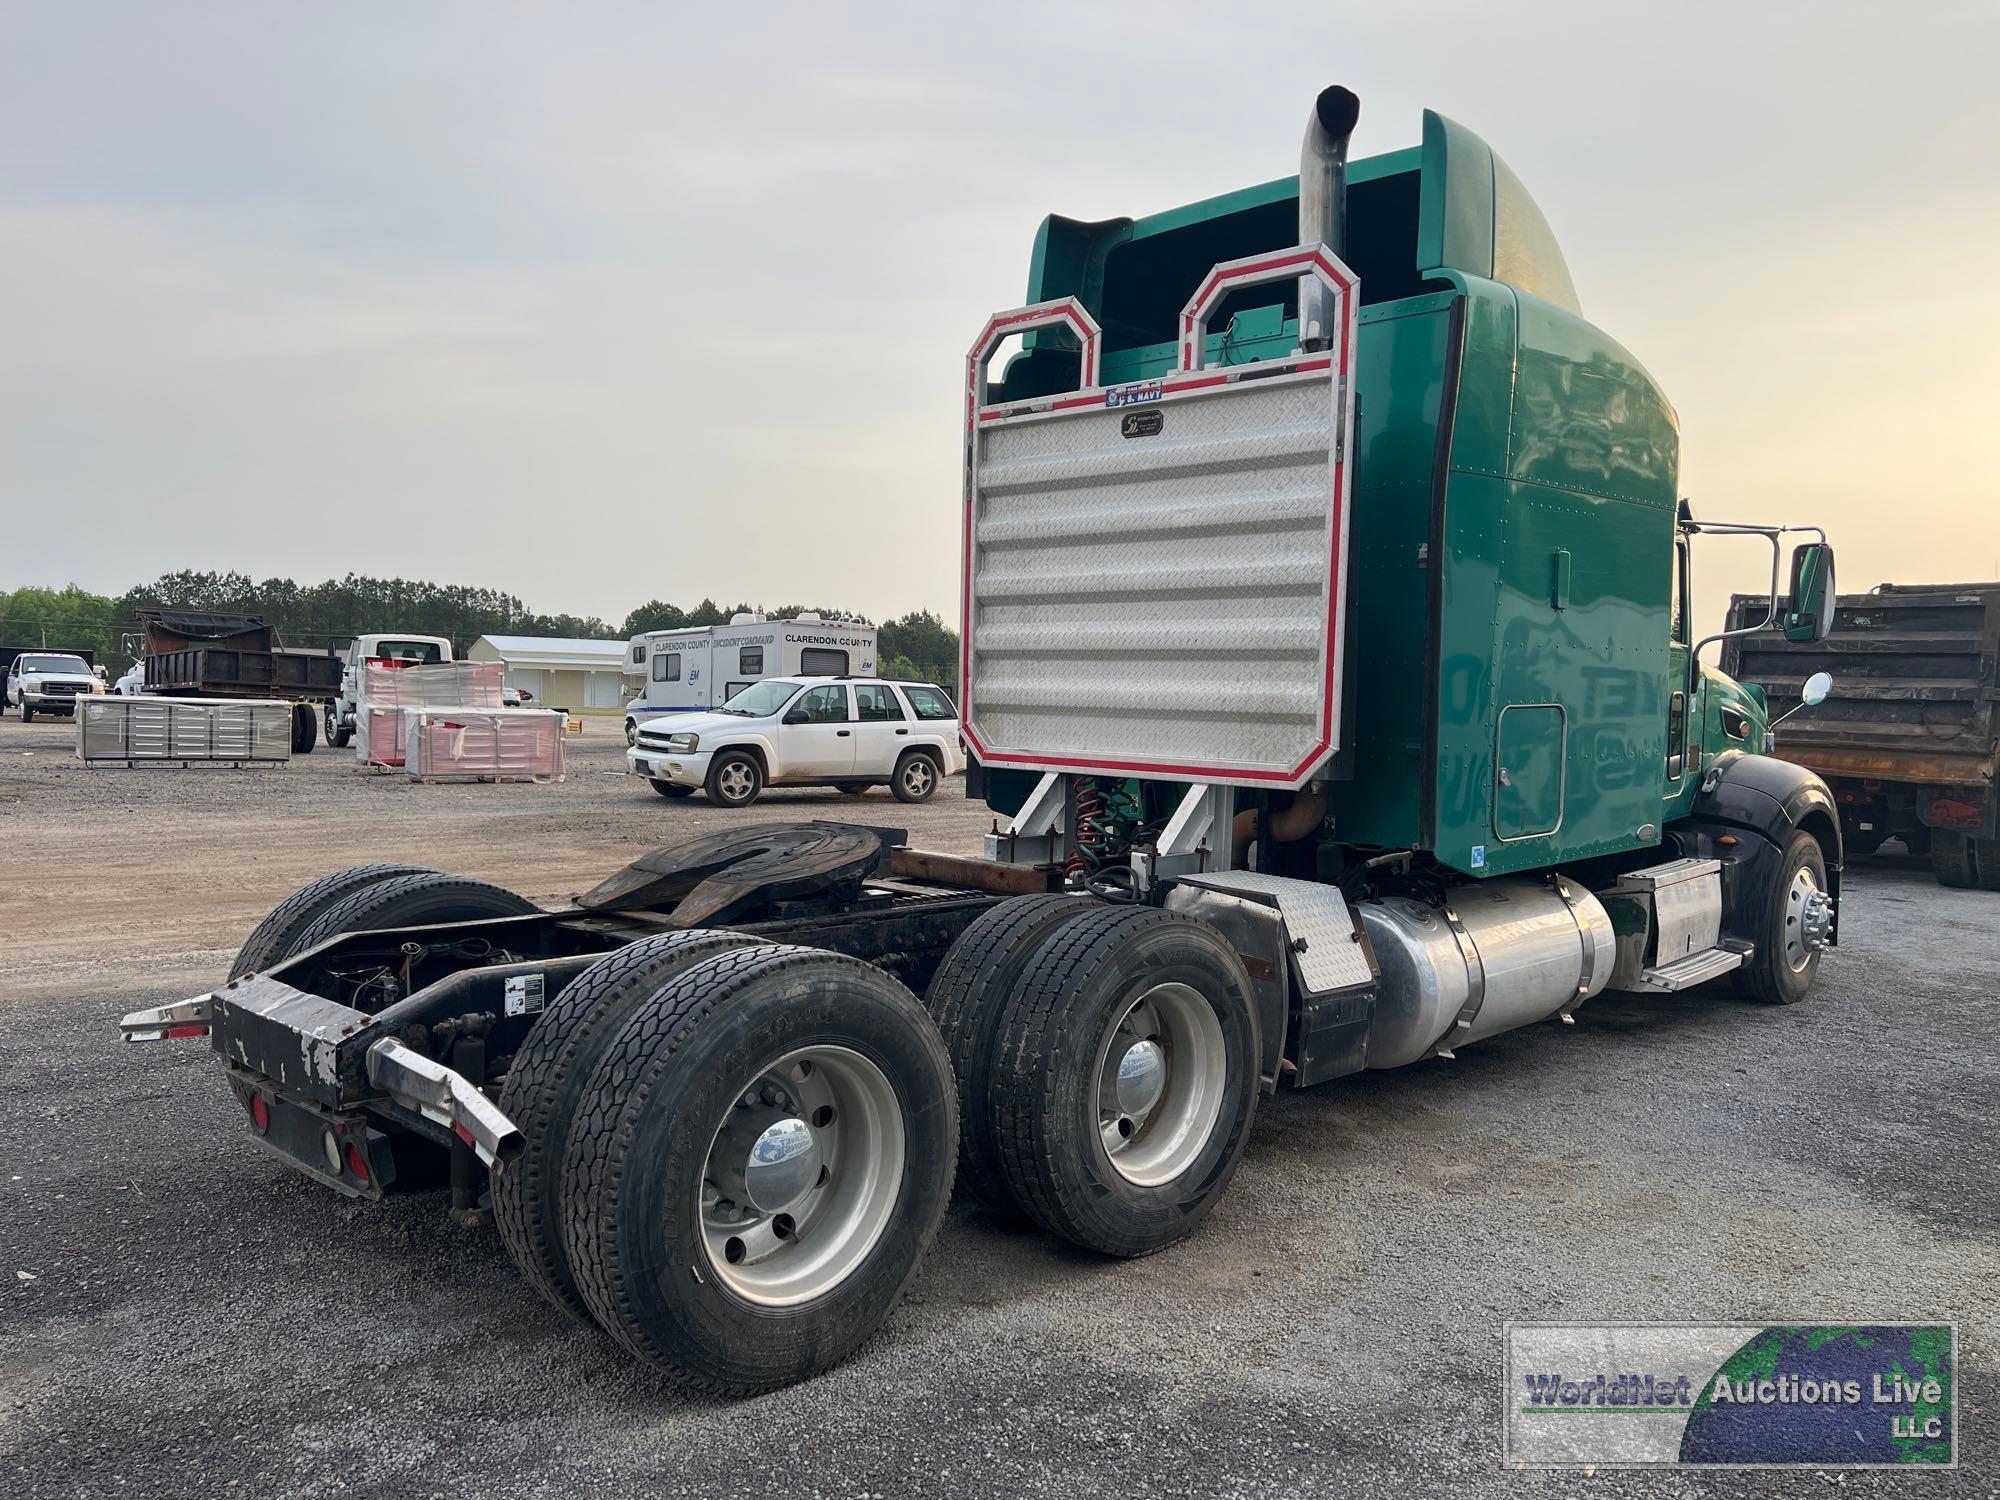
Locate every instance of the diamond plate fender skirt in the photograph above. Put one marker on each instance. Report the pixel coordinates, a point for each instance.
(1309, 960)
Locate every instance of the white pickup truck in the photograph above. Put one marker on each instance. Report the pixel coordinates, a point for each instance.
(849, 732)
(49, 682)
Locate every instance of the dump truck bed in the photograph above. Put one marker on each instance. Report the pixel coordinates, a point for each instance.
(1916, 678)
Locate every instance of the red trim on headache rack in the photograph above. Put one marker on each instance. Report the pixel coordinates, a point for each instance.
(1161, 768)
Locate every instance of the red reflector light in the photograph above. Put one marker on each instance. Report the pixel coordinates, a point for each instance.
(174, 1033)
(260, 1113)
(357, 1161)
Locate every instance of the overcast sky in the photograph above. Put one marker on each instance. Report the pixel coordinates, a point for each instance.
(599, 303)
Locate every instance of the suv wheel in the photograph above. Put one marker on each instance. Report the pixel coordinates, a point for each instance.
(735, 779)
(916, 777)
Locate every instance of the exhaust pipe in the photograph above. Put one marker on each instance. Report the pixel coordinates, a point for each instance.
(1323, 202)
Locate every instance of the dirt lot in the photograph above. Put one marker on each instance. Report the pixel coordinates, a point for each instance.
(180, 1315)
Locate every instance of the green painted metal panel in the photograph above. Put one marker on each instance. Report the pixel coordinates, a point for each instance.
(1404, 359)
(1455, 226)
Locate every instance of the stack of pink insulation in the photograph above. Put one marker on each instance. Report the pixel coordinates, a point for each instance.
(483, 744)
(387, 691)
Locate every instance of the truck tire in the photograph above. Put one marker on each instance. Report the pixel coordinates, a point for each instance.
(1954, 859)
(668, 789)
(735, 779)
(631, 733)
(1123, 1096)
(276, 937)
(1986, 862)
(760, 1164)
(545, 1092)
(916, 777)
(1786, 961)
(415, 900)
(337, 733)
(27, 713)
(968, 995)
(305, 729)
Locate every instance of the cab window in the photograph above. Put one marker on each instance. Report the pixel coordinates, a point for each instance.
(875, 704)
(824, 705)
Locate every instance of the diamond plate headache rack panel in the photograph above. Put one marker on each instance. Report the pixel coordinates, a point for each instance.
(1153, 572)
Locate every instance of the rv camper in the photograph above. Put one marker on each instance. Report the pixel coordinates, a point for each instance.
(703, 666)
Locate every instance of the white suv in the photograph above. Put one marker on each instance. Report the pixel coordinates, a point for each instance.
(849, 732)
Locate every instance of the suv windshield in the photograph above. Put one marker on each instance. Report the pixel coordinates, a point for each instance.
(54, 664)
(761, 699)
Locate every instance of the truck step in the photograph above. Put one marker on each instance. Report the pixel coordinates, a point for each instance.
(1686, 973)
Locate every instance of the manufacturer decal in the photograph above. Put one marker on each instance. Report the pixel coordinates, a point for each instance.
(1138, 424)
(1133, 395)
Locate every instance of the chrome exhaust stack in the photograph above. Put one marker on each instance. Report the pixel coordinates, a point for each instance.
(1323, 202)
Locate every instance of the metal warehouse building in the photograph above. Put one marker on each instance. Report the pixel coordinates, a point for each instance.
(560, 673)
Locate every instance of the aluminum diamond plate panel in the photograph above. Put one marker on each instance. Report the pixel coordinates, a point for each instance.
(1153, 572)
(1319, 914)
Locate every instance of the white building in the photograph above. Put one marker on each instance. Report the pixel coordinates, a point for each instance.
(560, 673)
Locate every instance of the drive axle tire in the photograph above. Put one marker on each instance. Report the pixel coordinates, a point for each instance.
(735, 779)
(1986, 862)
(545, 1092)
(1953, 859)
(968, 997)
(276, 937)
(305, 729)
(1123, 1088)
(1788, 950)
(668, 789)
(418, 900)
(916, 777)
(759, 1166)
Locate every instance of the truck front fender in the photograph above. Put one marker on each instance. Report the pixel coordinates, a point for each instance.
(1757, 802)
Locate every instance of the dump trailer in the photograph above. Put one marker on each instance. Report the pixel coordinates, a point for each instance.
(1326, 658)
(1909, 738)
(204, 654)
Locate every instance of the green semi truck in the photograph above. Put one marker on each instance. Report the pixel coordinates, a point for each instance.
(1328, 669)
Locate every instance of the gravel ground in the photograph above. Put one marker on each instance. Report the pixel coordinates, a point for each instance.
(180, 1315)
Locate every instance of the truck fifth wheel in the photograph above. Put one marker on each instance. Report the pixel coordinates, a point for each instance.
(1326, 666)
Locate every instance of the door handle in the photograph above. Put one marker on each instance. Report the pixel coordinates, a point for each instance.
(902, 731)
(842, 734)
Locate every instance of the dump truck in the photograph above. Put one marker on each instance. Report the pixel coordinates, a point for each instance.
(207, 654)
(1327, 663)
(1909, 740)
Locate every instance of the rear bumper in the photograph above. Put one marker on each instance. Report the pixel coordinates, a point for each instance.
(340, 1148)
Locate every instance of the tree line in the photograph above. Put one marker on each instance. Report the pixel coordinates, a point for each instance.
(916, 645)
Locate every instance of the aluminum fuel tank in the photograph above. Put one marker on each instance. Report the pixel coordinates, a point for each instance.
(1519, 948)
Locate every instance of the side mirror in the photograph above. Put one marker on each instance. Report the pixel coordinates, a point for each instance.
(1810, 617)
(1816, 688)
(796, 716)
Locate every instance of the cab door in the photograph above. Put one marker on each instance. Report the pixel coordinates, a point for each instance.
(816, 734)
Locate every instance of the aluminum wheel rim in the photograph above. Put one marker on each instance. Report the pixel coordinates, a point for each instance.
(802, 1176)
(1808, 915)
(735, 780)
(917, 776)
(1161, 1069)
